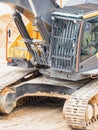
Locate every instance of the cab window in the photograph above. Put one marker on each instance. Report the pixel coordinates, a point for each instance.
(89, 45)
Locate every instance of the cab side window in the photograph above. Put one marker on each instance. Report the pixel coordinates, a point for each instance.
(89, 45)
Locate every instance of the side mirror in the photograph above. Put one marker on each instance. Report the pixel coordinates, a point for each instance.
(9, 33)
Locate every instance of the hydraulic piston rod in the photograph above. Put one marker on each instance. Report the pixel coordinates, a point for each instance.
(23, 31)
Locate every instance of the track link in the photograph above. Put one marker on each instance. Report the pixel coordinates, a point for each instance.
(75, 109)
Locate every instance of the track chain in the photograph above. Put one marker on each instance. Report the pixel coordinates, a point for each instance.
(14, 76)
(75, 108)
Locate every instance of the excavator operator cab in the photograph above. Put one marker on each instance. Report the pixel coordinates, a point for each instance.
(74, 41)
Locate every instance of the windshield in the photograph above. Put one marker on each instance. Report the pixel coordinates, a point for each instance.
(89, 45)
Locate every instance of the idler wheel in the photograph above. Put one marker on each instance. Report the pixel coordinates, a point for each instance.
(8, 101)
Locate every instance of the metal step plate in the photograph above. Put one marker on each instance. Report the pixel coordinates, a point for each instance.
(90, 72)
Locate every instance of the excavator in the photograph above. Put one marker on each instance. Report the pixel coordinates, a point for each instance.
(59, 60)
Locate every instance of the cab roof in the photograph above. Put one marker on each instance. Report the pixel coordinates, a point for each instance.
(79, 11)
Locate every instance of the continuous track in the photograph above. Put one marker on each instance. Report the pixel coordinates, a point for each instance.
(7, 92)
(14, 76)
(75, 109)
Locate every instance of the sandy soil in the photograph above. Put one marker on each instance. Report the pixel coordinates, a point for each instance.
(32, 117)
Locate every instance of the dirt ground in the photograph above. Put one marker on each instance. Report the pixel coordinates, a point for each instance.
(31, 117)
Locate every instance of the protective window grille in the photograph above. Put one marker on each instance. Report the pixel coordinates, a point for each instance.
(64, 40)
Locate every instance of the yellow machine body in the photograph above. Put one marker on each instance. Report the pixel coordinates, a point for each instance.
(17, 48)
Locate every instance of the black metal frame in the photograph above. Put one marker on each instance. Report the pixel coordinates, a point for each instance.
(20, 62)
(28, 89)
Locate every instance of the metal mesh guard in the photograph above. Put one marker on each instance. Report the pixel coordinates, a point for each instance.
(63, 45)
